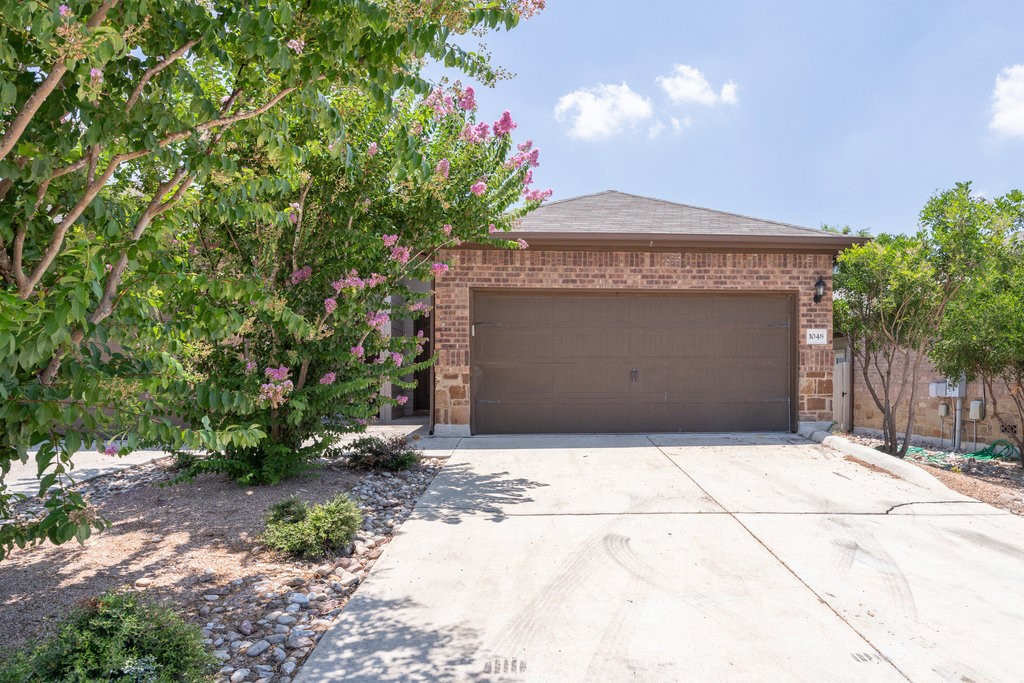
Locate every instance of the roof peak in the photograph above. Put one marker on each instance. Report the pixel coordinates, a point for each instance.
(681, 205)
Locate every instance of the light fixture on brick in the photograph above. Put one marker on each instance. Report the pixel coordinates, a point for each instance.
(819, 290)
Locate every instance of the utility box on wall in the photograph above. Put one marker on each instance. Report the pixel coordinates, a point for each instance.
(976, 410)
(947, 388)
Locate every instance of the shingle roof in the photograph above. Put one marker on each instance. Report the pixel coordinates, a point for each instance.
(618, 213)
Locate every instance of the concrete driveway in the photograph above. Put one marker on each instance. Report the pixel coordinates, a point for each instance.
(684, 558)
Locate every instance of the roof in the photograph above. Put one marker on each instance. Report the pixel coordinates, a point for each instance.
(614, 218)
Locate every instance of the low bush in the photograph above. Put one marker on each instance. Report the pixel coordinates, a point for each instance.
(310, 532)
(119, 637)
(391, 454)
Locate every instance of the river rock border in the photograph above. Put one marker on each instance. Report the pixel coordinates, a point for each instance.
(296, 607)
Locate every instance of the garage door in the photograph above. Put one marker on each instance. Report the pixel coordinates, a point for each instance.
(616, 362)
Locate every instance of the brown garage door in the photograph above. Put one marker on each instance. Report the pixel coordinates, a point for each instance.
(622, 362)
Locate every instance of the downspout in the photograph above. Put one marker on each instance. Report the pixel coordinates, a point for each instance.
(958, 417)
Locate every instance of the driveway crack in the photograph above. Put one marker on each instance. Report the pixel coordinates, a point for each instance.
(928, 502)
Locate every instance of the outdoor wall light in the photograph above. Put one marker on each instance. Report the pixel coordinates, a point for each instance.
(819, 290)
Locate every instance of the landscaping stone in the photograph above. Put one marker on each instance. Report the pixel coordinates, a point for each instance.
(261, 624)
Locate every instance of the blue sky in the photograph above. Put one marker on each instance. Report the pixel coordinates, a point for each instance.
(806, 112)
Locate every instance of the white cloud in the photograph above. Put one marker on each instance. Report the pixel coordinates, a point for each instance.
(1008, 102)
(601, 112)
(687, 84)
(655, 130)
(677, 125)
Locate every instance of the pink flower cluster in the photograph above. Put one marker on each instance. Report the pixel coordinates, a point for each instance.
(302, 274)
(328, 378)
(96, 75)
(419, 306)
(330, 305)
(277, 374)
(64, 10)
(397, 358)
(111, 449)
(353, 281)
(475, 134)
(528, 8)
(372, 149)
(536, 195)
(441, 102)
(358, 351)
(250, 367)
(401, 400)
(447, 229)
(276, 393)
(478, 188)
(400, 254)
(526, 156)
(439, 269)
(505, 124)
(297, 45)
(468, 100)
(378, 320)
(523, 244)
(389, 240)
(443, 167)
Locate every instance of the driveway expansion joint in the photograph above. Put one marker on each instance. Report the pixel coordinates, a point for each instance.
(789, 569)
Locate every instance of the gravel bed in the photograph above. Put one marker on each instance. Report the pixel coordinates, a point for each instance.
(997, 482)
(195, 545)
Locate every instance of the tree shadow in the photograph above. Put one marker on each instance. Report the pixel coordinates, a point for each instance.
(458, 492)
(379, 639)
(168, 535)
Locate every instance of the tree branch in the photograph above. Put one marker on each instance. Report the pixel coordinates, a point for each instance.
(155, 70)
(182, 179)
(36, 99)
(298, 225)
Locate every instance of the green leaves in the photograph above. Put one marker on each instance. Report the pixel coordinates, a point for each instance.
(88, 354)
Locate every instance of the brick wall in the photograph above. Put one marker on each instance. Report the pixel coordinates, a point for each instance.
(927, 422)
(625, 270)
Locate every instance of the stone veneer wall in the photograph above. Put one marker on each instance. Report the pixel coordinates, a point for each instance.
(626, 270)
(866, 414)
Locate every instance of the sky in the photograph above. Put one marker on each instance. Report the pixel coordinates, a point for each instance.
(811, 113)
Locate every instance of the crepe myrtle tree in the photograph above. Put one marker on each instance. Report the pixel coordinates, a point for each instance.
(115, 113)
(332, 247)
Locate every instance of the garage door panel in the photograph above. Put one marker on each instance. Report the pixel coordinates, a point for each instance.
(554, 362)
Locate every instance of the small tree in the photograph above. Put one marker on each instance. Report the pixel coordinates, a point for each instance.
(982, 332)
(892, 294)
(884, 303)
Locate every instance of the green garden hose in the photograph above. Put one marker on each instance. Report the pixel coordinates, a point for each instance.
(1000, 449)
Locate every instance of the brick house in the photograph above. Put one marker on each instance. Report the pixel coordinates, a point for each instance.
(631, 314)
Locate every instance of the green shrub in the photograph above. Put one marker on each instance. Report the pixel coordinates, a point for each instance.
(377, 453)
(117, 637)
(296, 528)
(267, 463)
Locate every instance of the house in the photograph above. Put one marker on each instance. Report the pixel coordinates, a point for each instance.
(632, 314)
